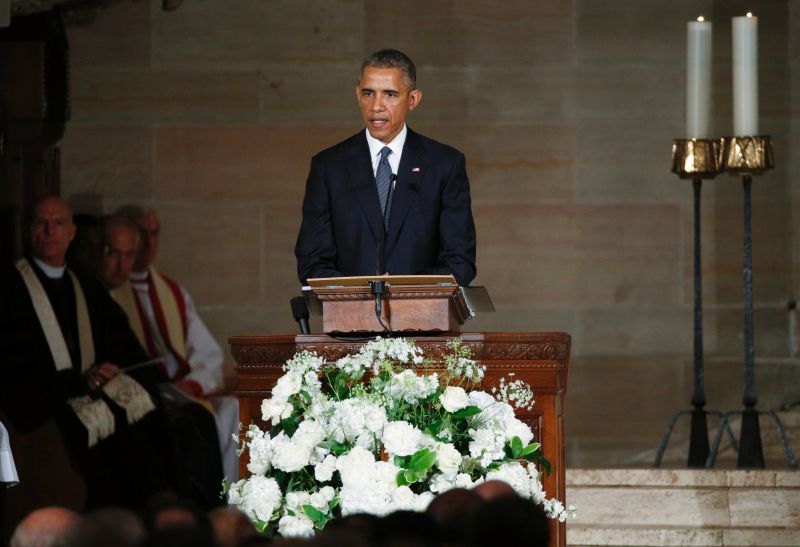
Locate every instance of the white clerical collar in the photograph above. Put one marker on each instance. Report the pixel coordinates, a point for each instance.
(53, 272)
(396, 146)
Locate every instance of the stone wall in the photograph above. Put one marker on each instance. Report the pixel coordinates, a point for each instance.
(679, 507)
(565, 111)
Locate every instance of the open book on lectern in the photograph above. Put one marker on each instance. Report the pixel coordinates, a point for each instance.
(477, 298)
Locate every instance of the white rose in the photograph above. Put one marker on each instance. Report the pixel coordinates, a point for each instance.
(275, 410)
(235, 492)
(385, 474)
(352, 466)
(296, 500)
(260, 455)
(422, 501)
(287, 385)
(448, 459)
(323, 471)
(514, 475)
(481, 399)
(309, 433)
(518, 428)
(288, 456)
(296, 526)
(321, 499)
(374, 418)
(403, 499)
(260, 496)
(454, 398)
(401, 438)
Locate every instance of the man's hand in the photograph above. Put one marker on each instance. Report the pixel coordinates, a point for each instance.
(99, 374)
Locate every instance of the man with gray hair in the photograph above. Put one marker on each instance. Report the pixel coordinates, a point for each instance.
(121, 242)
(84, 432)
(164, 317)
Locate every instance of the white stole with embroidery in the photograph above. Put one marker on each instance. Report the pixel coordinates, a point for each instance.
(93, 414)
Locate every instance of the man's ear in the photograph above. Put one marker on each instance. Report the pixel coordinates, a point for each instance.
(414, 98)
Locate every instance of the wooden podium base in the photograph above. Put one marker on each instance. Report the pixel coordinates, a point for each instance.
(406, 309)
(539, 359)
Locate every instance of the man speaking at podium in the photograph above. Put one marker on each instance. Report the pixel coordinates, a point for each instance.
(387, 200)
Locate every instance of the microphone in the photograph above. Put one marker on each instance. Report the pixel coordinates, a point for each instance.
(379, 287)
(300, 313)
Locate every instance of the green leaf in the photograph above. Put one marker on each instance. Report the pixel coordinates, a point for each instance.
(290, 425)
(401, 478)
(422, 461)
(530, 449)
(409, 476)
(337, 449)
(314, 514)
(402, 461)
(546, 464)
(466, 412)
(516, 446)
(435, 427)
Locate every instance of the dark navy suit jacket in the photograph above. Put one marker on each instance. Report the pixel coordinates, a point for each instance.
(431, 230)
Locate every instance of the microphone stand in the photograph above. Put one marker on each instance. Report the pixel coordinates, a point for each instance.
(300, 313)
(378, 287)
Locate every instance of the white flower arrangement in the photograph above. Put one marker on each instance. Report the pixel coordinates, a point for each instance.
(368, 434)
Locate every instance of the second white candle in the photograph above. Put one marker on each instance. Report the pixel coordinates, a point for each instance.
(745, 76)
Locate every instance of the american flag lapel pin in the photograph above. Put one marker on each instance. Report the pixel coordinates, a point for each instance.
(415, 169)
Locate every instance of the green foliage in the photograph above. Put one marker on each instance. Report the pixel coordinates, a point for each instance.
(515, 451)
(416, 467)
(319, 518)
(290, 424)
(466, 412)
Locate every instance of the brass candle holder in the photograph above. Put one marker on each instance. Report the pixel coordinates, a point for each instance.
(696, 158)
(747, 155)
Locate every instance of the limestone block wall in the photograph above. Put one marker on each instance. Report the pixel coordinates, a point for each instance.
(565, 111)
(679, 507)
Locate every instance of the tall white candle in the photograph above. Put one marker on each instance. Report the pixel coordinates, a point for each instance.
(698, 79)
(745, 76)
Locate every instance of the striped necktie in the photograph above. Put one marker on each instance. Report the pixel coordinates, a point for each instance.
(383, 179)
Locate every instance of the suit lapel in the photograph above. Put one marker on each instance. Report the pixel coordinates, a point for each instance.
(363, 182)
(409, 180)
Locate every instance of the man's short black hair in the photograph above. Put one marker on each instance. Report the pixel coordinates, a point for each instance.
(392, 58)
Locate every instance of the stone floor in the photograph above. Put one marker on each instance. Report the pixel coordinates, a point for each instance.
(775, 454)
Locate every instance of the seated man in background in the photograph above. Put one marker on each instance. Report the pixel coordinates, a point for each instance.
(46, 527)
(164, 318)
(84, 434)
(193, 426)
(86, 248)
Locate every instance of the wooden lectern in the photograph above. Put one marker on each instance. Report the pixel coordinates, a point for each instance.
(540, 359)
(411, 304)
